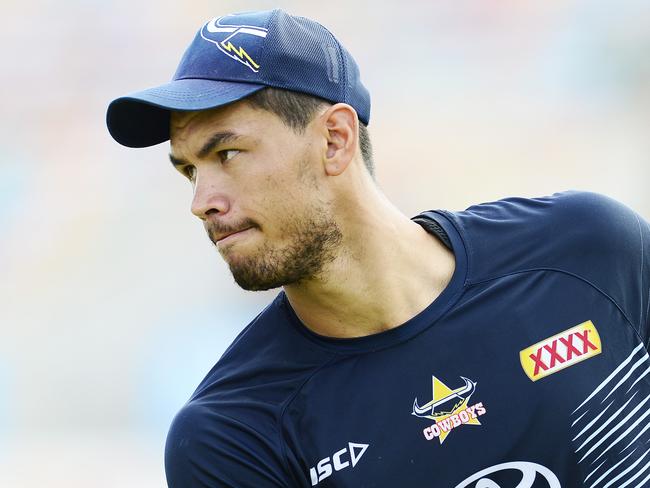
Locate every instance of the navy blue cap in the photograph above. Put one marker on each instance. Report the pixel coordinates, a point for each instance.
(234, 56)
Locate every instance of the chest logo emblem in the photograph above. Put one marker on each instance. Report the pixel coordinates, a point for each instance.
(449, 409)
(561, 351)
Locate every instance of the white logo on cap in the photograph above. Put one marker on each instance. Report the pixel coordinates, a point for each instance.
(232, 47)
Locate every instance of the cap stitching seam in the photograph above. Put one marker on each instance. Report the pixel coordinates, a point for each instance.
(343, 87)
(270, 24)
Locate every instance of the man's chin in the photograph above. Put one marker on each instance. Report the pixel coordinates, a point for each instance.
(251, 280)
(249, 273)
(248, 286)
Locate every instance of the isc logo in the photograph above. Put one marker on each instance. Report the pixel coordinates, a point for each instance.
(561, 351)
(348, 456)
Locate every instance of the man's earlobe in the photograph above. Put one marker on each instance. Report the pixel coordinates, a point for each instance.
(334, 167)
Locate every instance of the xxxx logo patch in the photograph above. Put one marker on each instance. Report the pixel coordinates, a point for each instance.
(561, 351)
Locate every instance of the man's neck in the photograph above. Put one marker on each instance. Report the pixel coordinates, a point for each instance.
(388, 270)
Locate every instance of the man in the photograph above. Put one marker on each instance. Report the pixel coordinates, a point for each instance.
(504, 345)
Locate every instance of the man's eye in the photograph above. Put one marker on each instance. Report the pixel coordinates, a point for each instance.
(227, 154)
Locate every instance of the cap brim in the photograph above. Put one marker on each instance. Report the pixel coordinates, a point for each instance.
(141, 119)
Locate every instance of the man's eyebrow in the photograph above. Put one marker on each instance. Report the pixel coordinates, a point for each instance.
(214, 141)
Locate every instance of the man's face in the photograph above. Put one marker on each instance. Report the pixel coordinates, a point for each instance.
(258, 187)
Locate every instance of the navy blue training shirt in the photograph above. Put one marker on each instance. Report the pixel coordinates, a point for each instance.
(530, 370)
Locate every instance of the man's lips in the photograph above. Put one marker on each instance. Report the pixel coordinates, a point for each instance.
(223, 238)
(219, 231)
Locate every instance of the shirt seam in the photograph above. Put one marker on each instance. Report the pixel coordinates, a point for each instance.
(238, 422)
(287, 402)
(647, 346)
(468, 249)
(574, 275)
(647, 311)
(641, 270)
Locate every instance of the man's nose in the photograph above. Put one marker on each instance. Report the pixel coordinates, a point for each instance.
(208, 198)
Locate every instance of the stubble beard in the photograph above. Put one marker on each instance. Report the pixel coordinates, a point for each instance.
(314, 240)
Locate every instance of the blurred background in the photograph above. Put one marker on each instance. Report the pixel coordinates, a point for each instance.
(113, 303)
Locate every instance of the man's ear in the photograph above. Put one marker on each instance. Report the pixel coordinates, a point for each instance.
(342, 132)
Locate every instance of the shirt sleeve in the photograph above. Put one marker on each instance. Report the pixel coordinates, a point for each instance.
(586, 234)
(210, 449)
(613, 251)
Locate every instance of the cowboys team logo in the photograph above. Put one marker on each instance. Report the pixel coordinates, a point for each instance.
(235, 41)
(449, 409)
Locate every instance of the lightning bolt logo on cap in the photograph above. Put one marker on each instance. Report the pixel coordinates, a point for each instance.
(236, 37)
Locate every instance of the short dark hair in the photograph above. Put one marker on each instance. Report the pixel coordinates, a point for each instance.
(297, 110)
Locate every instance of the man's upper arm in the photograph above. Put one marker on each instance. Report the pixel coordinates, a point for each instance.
(209, 449)
(612, 250)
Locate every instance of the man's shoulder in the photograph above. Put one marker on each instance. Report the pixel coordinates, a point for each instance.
(208, 446)
(559, 211)
(570, 230)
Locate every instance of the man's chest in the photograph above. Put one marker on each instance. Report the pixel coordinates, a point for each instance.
(512, 386)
